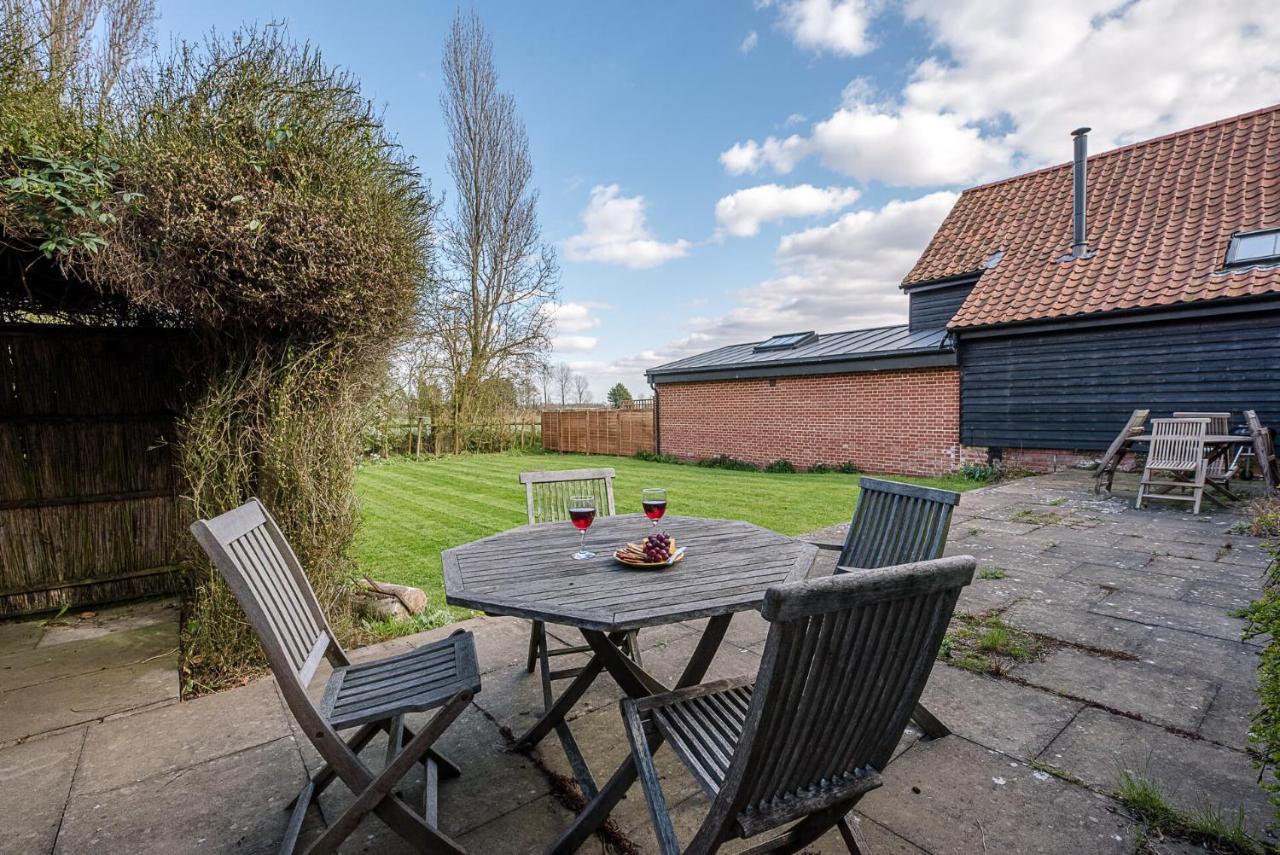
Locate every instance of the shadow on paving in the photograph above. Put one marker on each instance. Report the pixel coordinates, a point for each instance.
(1142, 672)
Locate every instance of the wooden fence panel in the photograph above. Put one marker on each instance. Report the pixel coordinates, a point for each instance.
(89, 508)
(621, 432)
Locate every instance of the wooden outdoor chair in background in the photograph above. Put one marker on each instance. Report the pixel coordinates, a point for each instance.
(844, 664)
(1177, 449)
(263, 572)
(1115, 452)
(893, 524)
(1264, 450)
(1221, 468)
(547, 497)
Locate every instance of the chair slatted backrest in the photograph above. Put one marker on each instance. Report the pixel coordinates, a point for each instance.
(1177, 445)
(1219, 424)
(547, 493)
(897, 524)
(1264, 450)
(846, 659)
(263, 572)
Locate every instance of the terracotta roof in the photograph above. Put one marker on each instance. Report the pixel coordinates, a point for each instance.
(1160, 217)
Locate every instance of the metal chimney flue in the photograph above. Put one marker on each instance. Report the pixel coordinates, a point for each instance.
(1079, 237)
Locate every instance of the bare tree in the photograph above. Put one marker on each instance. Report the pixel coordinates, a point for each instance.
(128, 33)
(564, 382)
(581, 390)
(86, 44)
(488, 314)
(545, 374)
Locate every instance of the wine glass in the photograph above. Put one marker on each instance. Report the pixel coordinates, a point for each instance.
(582, 512)
(654, 502)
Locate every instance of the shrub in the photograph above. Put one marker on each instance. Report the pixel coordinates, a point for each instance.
(654, 457)
(983, 473)
(1264, 518)
(247, 192)
(821, 469)
(724, 461)
(849, 468)
(780, 466)
(1263, 620)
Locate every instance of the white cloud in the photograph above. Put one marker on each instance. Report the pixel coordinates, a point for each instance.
(574, 343)
(749, 43)
(779, 154)
(831, 26)
(740, 214)
(1005, 81)
(574, 317)
(615, 232)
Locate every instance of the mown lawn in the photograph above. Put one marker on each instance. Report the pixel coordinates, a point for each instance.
(413, 510)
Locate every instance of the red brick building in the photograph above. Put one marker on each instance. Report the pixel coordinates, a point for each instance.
(1045, 309)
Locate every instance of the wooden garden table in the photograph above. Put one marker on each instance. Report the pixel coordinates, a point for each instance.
(528, 572)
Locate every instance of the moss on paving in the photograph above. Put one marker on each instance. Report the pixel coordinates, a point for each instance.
(410, 511)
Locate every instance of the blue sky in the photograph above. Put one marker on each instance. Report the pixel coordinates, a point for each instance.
(844, 127)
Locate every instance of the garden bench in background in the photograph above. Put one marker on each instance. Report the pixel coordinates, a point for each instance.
(895, 524)
(268, 581)
(809, 736)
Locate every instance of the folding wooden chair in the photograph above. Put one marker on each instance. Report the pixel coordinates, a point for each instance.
(1115, 452)
(896, 523)
(844, 665)
(547, 497)
(1177, 448)
(264, 574)
(1221, 469)
(1264, 450)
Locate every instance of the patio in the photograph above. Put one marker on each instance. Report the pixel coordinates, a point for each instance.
(1143, 671)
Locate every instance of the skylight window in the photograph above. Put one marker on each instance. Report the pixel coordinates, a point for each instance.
(786, 341)
(1254, 247)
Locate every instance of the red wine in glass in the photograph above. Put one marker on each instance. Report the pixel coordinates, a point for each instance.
(654, 502)
(582, 512)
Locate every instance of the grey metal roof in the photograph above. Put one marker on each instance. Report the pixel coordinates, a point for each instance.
(881, 345)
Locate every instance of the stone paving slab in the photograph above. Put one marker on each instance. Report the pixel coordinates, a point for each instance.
(133, 748)
(35, 779)
(997, 714)
(88, 697)
(1192, 774)
(84, 655)
(951, 796)
(1150, 610)
(1156, 695)
(1126, 579)
(231, 804)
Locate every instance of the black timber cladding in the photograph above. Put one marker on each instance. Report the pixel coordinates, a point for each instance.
(1073, 386)
(878, 349)
(932, 307)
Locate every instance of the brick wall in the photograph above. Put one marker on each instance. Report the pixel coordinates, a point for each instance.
(904, 421)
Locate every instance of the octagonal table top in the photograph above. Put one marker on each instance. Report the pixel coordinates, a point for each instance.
(529, 572)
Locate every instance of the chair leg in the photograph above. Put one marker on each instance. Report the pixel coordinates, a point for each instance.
(657, 802)
(324, 777)
(854, 840)
(537, 637)
(378, 796)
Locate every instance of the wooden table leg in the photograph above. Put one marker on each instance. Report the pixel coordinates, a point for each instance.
(598, 808)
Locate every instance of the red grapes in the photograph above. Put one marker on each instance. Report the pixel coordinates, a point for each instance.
(657, 547)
